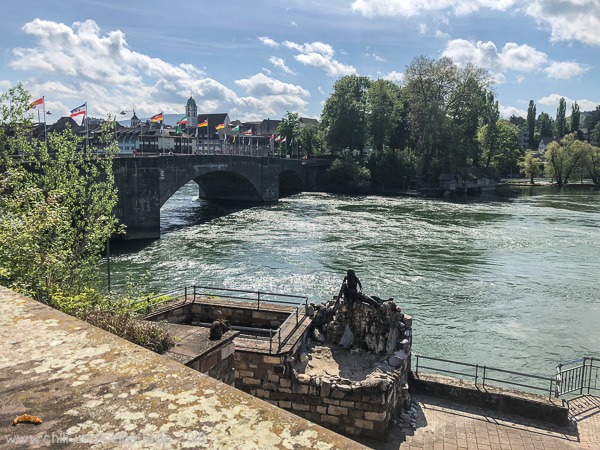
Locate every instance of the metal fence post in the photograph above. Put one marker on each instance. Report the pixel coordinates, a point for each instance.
(270, 340)
(484, 376)
(258, 307)
(185, 294)
(590, 378)
(194, 293)
(476, 373)
(582, 379)
(279, 333)
(417, 367)
(296, 316)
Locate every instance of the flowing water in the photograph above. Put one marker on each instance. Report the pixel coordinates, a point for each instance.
(509, 282)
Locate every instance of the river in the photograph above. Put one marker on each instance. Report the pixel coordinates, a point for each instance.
(510, 282)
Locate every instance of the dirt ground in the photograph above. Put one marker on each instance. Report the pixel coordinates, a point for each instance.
(353, 365)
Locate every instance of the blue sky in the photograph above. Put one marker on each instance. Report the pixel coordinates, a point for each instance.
(260, 59)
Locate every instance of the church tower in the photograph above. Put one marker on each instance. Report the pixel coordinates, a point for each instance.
(135, 121)
(191, 111)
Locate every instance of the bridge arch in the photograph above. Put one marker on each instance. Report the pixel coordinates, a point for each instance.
(290, 182)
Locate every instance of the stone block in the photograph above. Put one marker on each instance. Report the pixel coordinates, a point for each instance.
(330, 419)
(304, 378)
(300, 407)
(326, 389)
(285, 404)
(334, 410)
(271, 359)
(285, 382)
(367, 425)
(338, 394)
(347, 404)
(322, 409)
(331, 401)
(274, 378)
(375, 416)
(241, 365)
(408, 321)
(251, 381)
(351, 430)
(245, 373)
(262, 393)
(300, 389)
(286, 390)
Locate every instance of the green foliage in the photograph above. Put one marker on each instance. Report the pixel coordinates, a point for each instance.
(348, 176)
(561, 118)
(392, 168)
(289, 128)
(344, 116)
(575, 118)
(531, 112)
(309, 140)
(531, 166)
(546, 125)
(500, 146)
(56, 203)
(565, 158)
(386, 115)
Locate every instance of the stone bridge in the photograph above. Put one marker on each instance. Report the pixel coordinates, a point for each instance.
(146, 183)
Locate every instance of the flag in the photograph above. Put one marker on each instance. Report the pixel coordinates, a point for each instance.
(183, 121)
(203, 124)
(272, 137)
(157, 118)
(248, 133)
(36, 103)
(79, 110)
(219, 127)
(284, 139)
(236, 129)
(278, 138)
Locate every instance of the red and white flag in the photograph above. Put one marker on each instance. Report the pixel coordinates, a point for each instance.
(79, 110)
(35, 104)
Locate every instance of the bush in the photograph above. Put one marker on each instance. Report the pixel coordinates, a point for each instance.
(348, 176)
(145, 334)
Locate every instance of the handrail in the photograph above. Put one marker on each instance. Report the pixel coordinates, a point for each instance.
(259, 298)
(484, 376)
(584, 376)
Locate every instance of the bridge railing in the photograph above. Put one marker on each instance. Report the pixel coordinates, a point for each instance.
(277, 338)
(483, 375)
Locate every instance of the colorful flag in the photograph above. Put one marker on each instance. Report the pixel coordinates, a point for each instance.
(183, 121)
(36, 103)
(236, 129)
(219, 127)
(248, 133)
(157, 118)
(203, 124)
(272, 137)
(278, 138)
(79, 110)
(284, 139)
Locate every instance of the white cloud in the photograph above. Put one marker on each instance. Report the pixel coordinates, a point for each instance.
(553, 100)
(422, 28)
(268, 41)
(267, 71)
(321, 91)
(280, 64)
(377, 57)
(410, 8)
(82, 63)
(520, 58)
(565, 70)
(568, 20)
(395, 77)
(440, 34)
(260, 84)
(507, 111)
(321, 55)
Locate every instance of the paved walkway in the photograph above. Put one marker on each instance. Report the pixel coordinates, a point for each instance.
(449, 426)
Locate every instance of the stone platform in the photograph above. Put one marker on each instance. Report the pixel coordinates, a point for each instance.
(95, 390)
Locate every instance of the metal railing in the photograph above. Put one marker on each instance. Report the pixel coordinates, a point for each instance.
(280, 336)
(482, 375)
(579, 376)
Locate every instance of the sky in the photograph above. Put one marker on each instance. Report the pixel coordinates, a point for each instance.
(258, 60)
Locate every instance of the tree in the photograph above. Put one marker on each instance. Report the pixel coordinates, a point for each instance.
(288, 128)
(385, 114)
(530, 166)
(309, 140)
(56, 203)
(518, 121)
(503, 155)
(575, 118)
(344, 116)
(593, 163)
(348, 176)
(446, 105)
(488, 135)
(531, 123)
(561, 118)
(595, 135)
(546, 125)
(564, 158)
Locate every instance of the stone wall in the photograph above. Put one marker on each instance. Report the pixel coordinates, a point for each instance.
(356, 408)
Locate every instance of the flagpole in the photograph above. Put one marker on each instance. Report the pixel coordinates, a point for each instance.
(45, 128)
(162, 130)
(87, 143)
